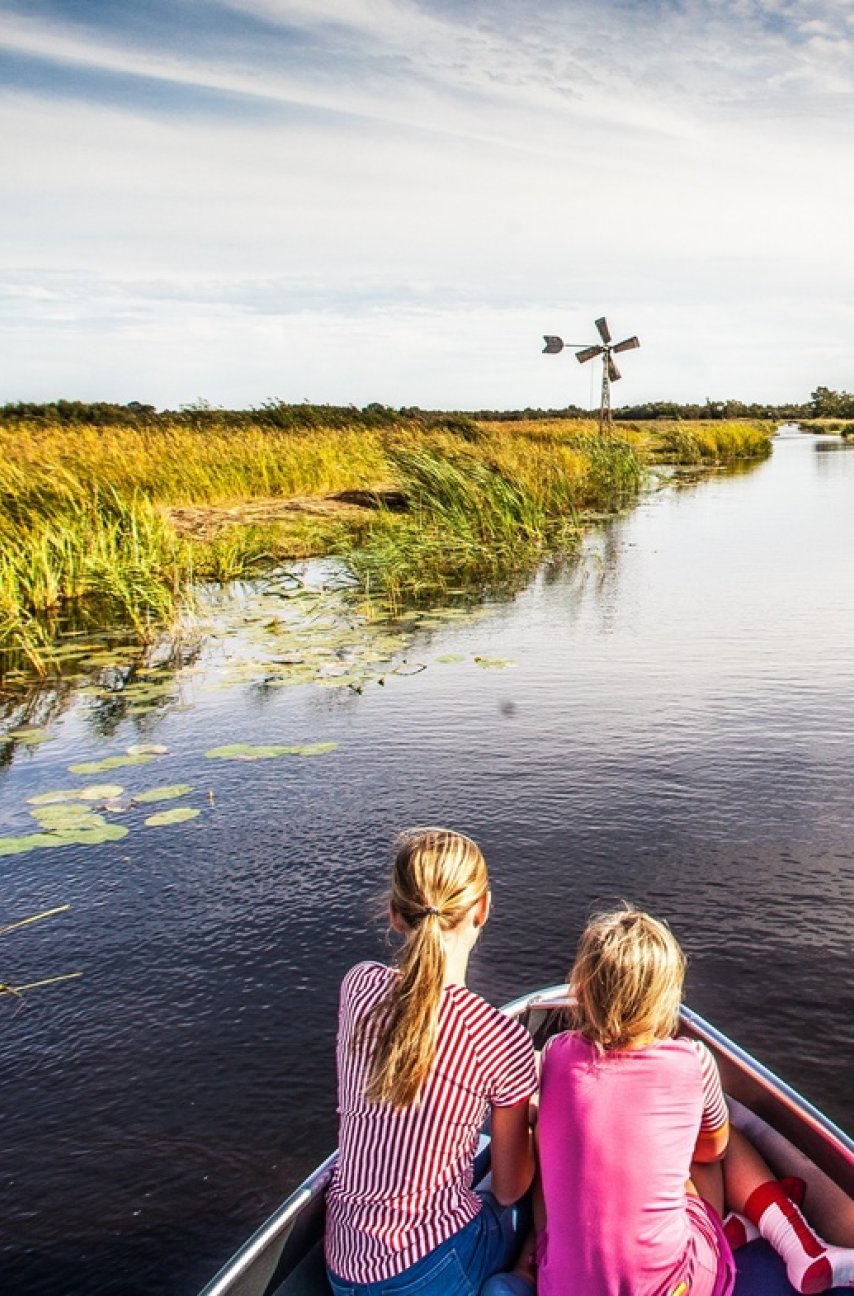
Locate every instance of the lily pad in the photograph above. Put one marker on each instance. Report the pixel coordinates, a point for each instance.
(147, 749)
(493, 663)
(108, 763)
(245, 751)
(86, 836)
(448, 659)
(179, 815)
(94, 792)
(27, 842)
(32, 736)
(62, 818)
(100, 792)
(167, 793)
(79, 836)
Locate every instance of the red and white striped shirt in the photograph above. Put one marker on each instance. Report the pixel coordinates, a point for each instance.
(402, 1184)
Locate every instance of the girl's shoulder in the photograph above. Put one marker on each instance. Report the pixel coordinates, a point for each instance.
(702, 1052)
(564, 1046)
(364, 977)
(571, 1043)
(481, 1017)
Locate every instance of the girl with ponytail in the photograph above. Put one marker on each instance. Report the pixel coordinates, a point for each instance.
(422, 1061)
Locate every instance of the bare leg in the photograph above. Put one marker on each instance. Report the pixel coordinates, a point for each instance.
(707, 1181)
(526, 1265)
(751, 1188)
(743, 1171)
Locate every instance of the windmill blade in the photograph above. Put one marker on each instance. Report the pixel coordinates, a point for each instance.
(553, 344)
(613, 372)
(628, 344)
(588, 353)
(604, 331)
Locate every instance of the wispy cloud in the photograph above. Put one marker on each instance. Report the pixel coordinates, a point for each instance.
(426, 179)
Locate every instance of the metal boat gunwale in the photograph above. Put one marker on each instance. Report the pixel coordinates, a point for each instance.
(282, 1217)
(824, 1136)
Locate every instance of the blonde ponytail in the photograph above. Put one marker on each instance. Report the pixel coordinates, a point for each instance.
(437, 877)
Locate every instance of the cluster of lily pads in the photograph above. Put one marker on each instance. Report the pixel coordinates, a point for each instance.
(275, 635)
(75, 816)
(285, 634)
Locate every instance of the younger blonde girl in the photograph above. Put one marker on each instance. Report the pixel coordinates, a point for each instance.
(632, 1116)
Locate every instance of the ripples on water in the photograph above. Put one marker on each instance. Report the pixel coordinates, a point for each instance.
(677, 730)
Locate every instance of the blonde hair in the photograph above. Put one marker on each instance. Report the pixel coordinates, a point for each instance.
(627, 979)
(438, 875)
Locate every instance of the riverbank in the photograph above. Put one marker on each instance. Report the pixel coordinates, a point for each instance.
(105, 525)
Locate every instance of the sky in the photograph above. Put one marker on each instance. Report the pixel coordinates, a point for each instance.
(349, 201)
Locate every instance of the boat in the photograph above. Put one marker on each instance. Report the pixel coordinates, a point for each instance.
(285, 1256)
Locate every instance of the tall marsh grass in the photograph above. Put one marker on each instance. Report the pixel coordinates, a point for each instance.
(702, 442)
(483, 510)
(84, 521)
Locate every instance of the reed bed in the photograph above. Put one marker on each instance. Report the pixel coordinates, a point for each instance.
(85, 530)
(482, 511)
(702, 442)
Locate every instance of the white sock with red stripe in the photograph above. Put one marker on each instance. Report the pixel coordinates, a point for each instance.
(812, 1265)
(738, 1230)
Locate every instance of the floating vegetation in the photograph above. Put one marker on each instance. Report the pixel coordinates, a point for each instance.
(450, 659)
(179, 815)
(493, 663)
(168, 793)
(31, 737)
(68, 817)
(147, 749)
(27, 842)
(246, 751)
(108, 763)
(16, 991)
(33, 918)
(94, 792)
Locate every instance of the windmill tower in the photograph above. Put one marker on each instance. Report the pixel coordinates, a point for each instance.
(607, 350)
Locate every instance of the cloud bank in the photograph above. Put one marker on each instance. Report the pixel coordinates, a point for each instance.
(384, 200)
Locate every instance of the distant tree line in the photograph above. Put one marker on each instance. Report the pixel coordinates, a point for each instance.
(273, 414)
(823, 403)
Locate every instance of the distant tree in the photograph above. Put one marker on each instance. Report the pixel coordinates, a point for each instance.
(825, 403)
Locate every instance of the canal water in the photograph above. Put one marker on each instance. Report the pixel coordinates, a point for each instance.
(669, 720)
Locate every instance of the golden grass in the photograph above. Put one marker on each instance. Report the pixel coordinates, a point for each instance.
(87, 513)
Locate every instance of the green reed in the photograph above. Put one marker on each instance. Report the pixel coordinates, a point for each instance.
(697, 443)
(481, 515)
(85, 527)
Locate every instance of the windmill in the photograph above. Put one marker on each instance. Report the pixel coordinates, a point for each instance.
(606, 349)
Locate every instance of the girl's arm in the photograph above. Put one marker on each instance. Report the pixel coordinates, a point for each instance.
(538, 1201)
(512, 1152)
(713, 1137)
(712, 1145)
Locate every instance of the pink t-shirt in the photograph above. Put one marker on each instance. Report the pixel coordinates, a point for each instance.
(616, 1136)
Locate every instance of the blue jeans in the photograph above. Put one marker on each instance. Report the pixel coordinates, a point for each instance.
(457, 1267)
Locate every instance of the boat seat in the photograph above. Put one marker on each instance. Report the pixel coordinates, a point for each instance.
(761, 1273)
(309, 1276)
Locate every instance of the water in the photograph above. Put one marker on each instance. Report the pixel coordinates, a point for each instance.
(678, 729)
